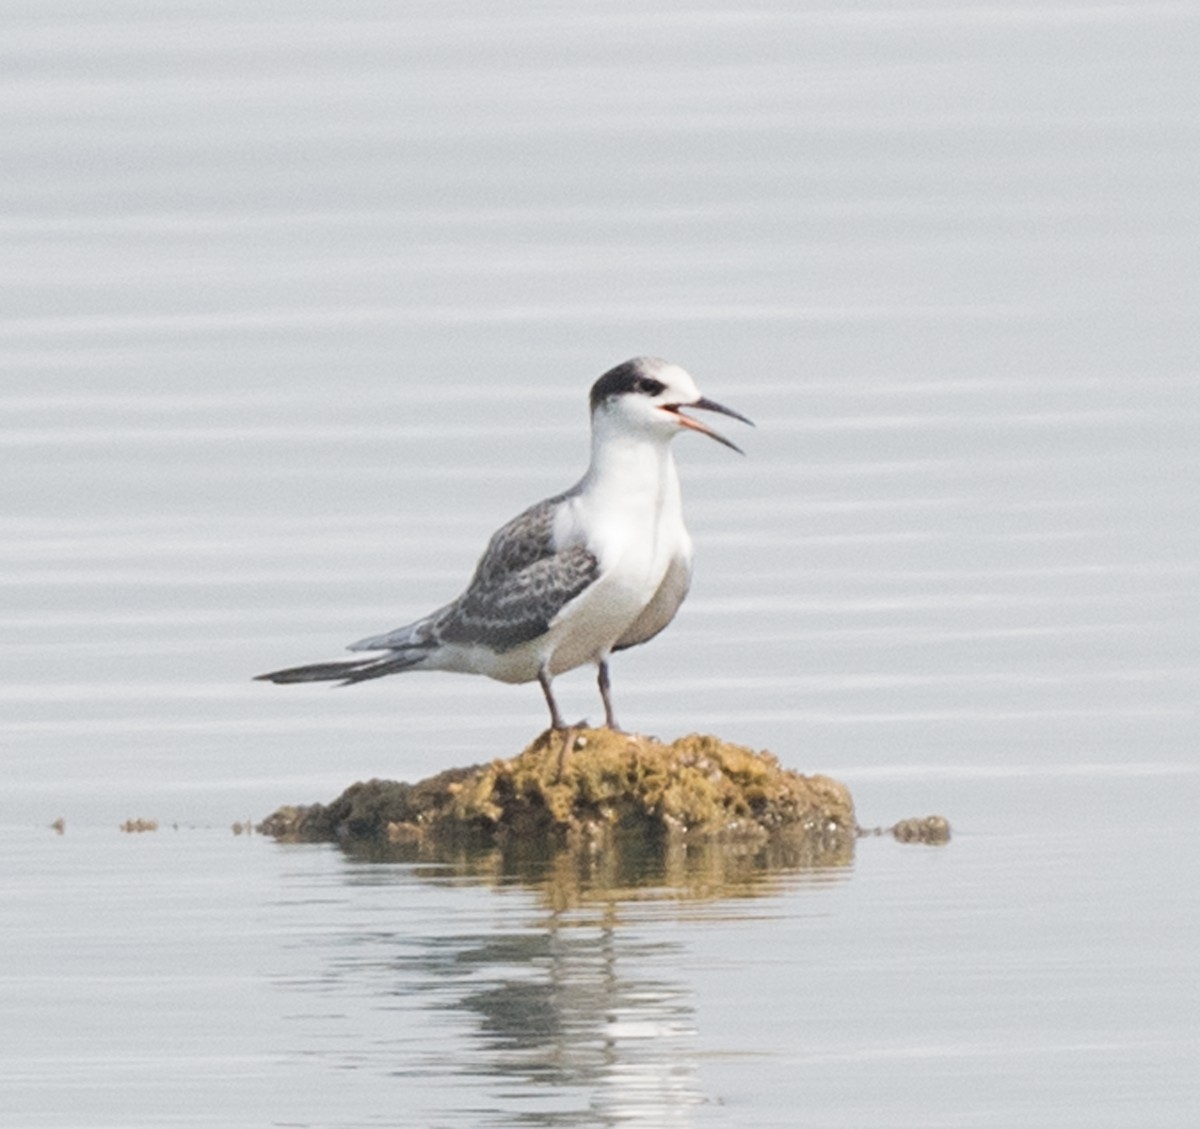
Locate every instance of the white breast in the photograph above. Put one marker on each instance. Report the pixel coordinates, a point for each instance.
(631, 518)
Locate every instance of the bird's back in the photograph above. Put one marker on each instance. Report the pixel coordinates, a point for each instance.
(519, 584)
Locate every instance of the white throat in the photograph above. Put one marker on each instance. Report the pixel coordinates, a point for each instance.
(629, 501)
(634, 466)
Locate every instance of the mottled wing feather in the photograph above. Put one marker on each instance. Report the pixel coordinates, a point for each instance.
(524, 541)
(502, 610)
(528, 538)
(520, 584)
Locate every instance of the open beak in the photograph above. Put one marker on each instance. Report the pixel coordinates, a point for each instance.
(705, 404)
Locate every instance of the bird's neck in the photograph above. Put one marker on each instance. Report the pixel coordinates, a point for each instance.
(629, 470)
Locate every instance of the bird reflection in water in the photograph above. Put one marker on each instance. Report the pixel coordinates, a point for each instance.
(556, 999)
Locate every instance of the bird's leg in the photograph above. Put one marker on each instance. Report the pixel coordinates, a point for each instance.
(606, 697)
(556, 724)
(556, 721)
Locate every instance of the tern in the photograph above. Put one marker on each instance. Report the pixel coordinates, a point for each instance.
(599, 568)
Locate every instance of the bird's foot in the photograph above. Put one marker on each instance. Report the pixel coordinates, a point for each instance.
(569, 734)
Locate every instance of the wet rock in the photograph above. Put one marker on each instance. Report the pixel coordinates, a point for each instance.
(584, 788)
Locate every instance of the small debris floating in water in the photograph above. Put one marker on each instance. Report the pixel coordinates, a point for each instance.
(930, 829)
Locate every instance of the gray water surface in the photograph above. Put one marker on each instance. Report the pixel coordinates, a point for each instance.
(298, 302)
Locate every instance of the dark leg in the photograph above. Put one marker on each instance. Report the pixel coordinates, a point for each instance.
(556, 721)
(609, 720)
(557, 724)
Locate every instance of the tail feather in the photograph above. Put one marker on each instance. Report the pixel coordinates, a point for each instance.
(377, 668)
(345, 671)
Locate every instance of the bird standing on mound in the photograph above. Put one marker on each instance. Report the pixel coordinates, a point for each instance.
(599, 568)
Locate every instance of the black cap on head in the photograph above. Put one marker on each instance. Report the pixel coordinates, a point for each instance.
(632, 376)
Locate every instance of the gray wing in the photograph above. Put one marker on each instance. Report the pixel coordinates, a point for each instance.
(519, 586)
(502, 610)
(525, 540)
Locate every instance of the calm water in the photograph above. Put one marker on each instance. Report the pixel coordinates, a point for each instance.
(297, 304)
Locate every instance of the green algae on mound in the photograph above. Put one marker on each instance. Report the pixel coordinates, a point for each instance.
(606, 783)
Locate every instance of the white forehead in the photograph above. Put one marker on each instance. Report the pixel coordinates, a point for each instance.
(678, 380)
